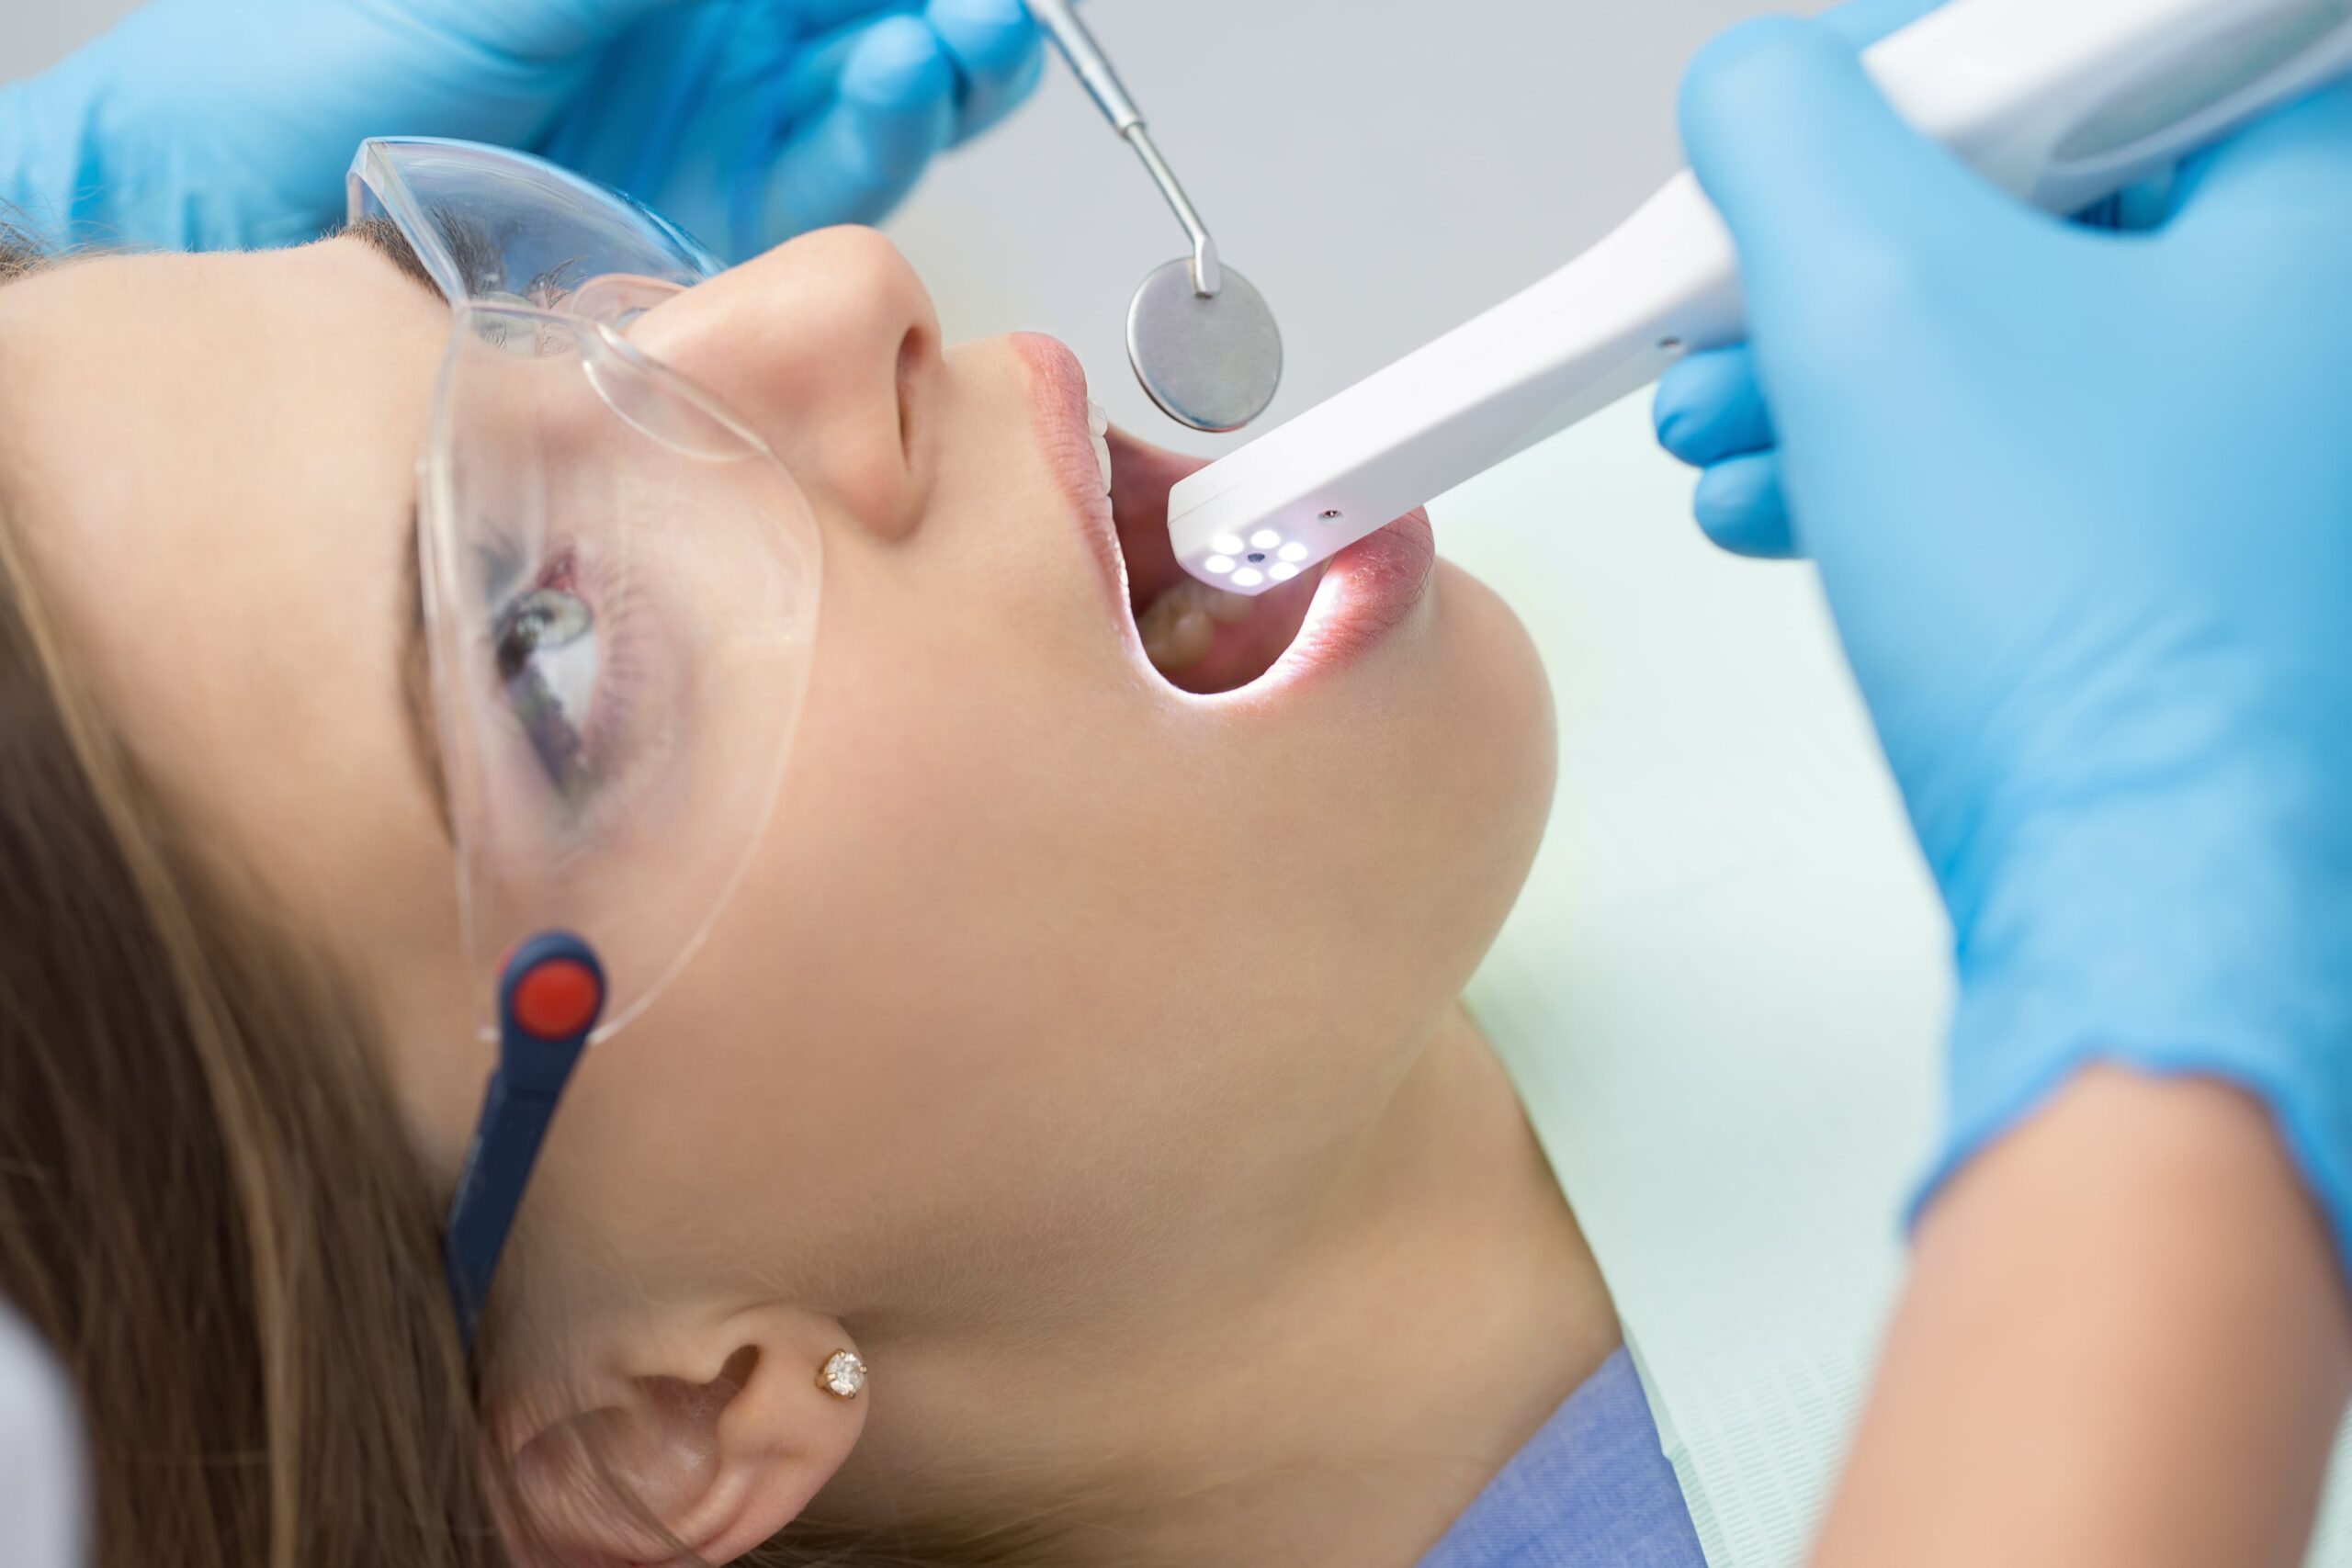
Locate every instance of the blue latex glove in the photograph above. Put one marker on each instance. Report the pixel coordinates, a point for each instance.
(212, 123)
(2082, 504)
(1711, 413)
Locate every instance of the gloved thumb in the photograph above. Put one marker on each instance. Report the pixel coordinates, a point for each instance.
(1820, 180)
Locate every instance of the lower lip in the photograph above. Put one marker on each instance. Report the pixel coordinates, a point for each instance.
(1368, 591)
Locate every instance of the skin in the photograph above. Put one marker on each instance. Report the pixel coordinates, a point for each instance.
(2126, 1337)
(1084, 1053)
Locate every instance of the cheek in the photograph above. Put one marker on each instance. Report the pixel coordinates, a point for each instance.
(943, 844)
(930, 999)
(987, 857)
(1009, 908)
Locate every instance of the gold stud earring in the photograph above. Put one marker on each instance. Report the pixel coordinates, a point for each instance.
(843, 1375)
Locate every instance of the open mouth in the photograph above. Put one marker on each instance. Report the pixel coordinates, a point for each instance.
(1202, 639)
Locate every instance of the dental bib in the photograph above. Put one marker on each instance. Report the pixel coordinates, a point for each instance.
(1723, 994)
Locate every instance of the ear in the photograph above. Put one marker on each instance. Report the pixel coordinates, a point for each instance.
(708, 1441)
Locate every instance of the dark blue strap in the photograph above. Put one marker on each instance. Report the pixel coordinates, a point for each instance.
(516, 1111)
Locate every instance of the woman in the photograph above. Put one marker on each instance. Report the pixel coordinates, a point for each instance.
(631, 1372)
(1081, 1052)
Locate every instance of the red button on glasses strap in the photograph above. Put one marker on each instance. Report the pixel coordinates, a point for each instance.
(556, 1001)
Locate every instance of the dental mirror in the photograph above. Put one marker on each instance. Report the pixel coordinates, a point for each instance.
(1200, 337)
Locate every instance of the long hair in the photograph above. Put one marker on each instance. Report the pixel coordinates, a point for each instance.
(208, 1205)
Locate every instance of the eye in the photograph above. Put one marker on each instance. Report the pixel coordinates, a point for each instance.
(548, 658)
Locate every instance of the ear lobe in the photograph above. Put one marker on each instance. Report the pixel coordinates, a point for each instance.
(708, 1447)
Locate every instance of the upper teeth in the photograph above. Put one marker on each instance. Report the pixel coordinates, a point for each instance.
(1098, 425)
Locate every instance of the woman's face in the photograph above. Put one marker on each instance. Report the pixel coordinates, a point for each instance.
(1041, 964)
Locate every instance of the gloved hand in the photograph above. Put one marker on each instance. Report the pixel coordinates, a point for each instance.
(2082, 504)
(1710, 412)
(211, 123)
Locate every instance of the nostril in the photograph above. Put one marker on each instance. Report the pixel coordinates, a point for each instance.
(910, 352)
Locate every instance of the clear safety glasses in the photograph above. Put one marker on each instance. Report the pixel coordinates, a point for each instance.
(620, 585)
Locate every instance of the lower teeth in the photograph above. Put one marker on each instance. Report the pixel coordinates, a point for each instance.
(1179, 627)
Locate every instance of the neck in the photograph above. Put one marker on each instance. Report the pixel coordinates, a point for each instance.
(1344, 1410)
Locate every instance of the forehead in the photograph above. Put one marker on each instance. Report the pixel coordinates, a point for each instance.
(210, 462)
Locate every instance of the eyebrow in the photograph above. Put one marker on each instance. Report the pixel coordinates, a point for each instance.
(383, 236)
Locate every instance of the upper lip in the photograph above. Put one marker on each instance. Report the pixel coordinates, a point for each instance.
(1059, 384)
(1130, 526)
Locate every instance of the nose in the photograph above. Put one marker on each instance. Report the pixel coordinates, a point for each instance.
(827, 347)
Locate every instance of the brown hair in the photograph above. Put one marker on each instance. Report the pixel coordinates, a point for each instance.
(208, 1207)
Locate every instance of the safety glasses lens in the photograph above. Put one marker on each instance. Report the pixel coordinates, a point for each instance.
(622, 586)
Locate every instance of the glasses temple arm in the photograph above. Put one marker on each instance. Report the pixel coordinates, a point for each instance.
(550, 998)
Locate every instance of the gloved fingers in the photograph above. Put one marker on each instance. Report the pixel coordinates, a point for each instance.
(812, 68)
(999, 54)
(2292, 168)
(994, 45)
(1710, 413)
(1740, 506)
(841, 87)
(1836, 203)
(1710, 410)
(1711, 407)
(1863, 22)
(892, 110)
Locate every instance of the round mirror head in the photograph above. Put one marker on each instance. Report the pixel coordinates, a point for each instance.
(1213, 364)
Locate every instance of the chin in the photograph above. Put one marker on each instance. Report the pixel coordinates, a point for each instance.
(1433, 770)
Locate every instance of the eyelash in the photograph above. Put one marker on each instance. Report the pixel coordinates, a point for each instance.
(613, 613)
(619, 672)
